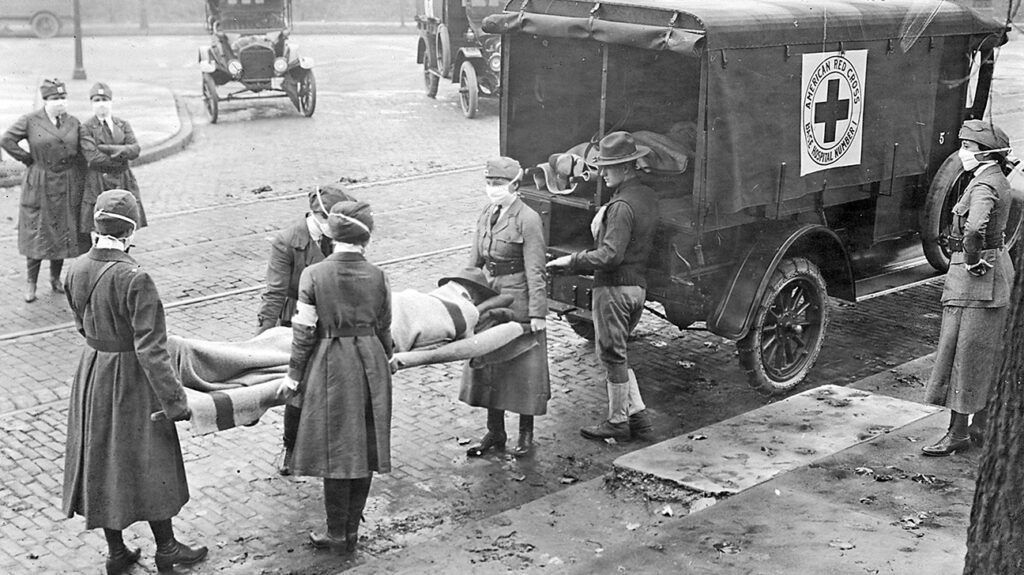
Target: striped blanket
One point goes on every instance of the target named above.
(234, 383)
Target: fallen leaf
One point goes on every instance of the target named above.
(870, 499)
(658, 343)
(555, 561)
(883, 477)
(913, 439)
(726, 547)
(632, 526)
(710, 344)
(518, 478)
(656, 547)
(666, 510)
(841, 545)
(777, 493)
(864, 471)
(697, 436)
(923, 478)
(610, 440)
(768, 451)
(465, 441)
(685, 364)
(567, 480)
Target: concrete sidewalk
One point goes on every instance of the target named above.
(160, 119)
(834, 483)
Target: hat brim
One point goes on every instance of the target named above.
(640, 152)
(486, 290)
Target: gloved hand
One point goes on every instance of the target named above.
(538, 324)
(979, 269)
(393, 364)
(286, 389)
(183, 415)
(559, 265)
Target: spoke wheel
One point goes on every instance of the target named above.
(430, 78)
(785, 339)
(306, 101)
(469, 90)
(949, 184)
(45, 25)
(443, 43)
(210, 98)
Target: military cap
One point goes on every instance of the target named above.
(53, 87)
(985, 134)
(100, 89)
(503, 167)
(323, 198)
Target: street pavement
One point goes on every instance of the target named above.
(417, 161)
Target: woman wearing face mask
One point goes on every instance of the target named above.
(292, 250)
(51, 189)
(509, 246)
(108, 145)
(976, 294)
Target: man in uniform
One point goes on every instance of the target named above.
(292, 250)
(623, 231)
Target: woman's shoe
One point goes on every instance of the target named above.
(122, 561)
(524, 445)
(977, 435)
(351, 542)
(490, 441)
(948, 445)
(30, 292)
(328, 541)
(56, 286)
(179, 554)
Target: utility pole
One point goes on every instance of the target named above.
(144, 15)
(79, 72)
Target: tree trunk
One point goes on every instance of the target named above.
(995, 538)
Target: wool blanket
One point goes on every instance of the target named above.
(234, 383)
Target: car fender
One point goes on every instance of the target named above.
(734, 313)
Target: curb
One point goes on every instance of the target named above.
(198, 29)
(11, 175)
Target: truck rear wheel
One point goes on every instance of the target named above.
(948, 185)
(788, 329)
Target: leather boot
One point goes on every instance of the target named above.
(337, 493)
(617, 425)
(30, 292)
(357, 502)
(55, 285)
(178, 554)
(948, 445)
(524, 445)
(122, 560)
(285, 468)
(495, 437)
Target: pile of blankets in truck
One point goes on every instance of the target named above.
(234, 383)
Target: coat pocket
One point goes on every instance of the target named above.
(961, 285)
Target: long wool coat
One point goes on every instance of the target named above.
(292, 250)
(974, 308)
(108, 155)
(345, 428)
(51, 190)
(514, 379)
(119, 466)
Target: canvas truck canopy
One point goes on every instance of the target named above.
(798, 95)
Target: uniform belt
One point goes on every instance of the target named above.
(957, 245)
(505, 268)
(111, 346)
(349, 331)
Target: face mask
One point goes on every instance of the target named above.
(969, 159)
(55, 107)
(497, 194)
(102, 108)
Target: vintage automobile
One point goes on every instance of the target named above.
(796, 148)
(453, 46)
(44, 17)
(250, 45)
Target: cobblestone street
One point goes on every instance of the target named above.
(212, 209)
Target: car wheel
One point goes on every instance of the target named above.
(583, 327)
(430, 77)
(1015, 223)
(307, 94)
(788, 329)
(45, 25)
(443, 42)
(947, 186)
(469, 90)
(210, 97)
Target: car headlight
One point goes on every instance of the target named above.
(305, 62)
(494, 63)
(280, 65)
(235, 68)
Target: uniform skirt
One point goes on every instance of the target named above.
(514, 378)
(967, 359)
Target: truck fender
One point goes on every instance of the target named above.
(735, 311)
(467, 53)
(421, 50)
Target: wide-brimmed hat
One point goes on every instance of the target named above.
(323, 198)
(53, 87)
(350, 222)
(984, 134)
(619, 148)
(471, 278)
(114, 210)
(100, 89)
(503, 167)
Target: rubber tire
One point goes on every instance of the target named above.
(210, 97)
(947, 186)
(583, 327)
(443, 47)
(306, 88)
(469, 90)
(791, 272)
(430, 79)
(45, 25)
